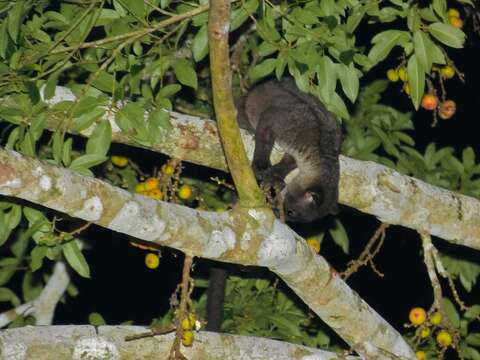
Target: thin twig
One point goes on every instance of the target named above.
(183, 308)
(367, 255)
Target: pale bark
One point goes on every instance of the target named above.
(76, 342)
(369, 187)
(243, 236)
(43, 307)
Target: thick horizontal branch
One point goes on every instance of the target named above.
(367, 186)
(107, 342)
(243, 236)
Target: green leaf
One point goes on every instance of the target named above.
(4, 39)
(31, 286)
(169, 90)
(440, 7)
(57, 145)
(340, 236)
(473, 339)
(86, 119)
(8, 295)
(185, 73)
(99, 142)
(384, 43)
(354, 20)
(96, 319)
(413, 19)
(472, 312)
(349, 80)
(13, 217)
(451, 312)
(468, 158)
(15, 19)
(267, 32)
(75, 258)
(87, 161)
(67, 152)
(50, 86)
(105, 82)
(447, 34)
(136, 7)
(200, 44)
(8, 266)
(242, 13)
(338, 107)
(422, 50)
(327, 78)
(36, 257)
(436, 54)
(261, 70)
(416, 80)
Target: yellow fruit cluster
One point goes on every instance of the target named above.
(399, 74)
(150, 188)
(454, 18)
(188, 324)
(417, 317)
(120, 161)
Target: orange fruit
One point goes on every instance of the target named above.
(447, 109)
(429, 102)
(417, 316)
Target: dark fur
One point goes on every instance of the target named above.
(310, 135)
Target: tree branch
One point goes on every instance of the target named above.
(107, 342)
(43, 307)
(228, 236)
(218, 28)
(369, 187)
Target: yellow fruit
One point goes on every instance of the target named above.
(417, 316)
(421, 355)
(152, 260)
(444, 338)
(140, 188)
(425, 333)
(447, 72)
(436, 318)
(392, 75)
(151, 183)
(192, 318)
(455, 21)
(155, 194)
(168, 169)
(406, 88)
(186, 325)
(453, 12)
(314, 244)
(185, 192)
(402, 73)
(220, 209)
(120, 161)
(187, 338)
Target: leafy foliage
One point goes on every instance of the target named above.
(130, 62)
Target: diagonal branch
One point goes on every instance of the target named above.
(43, 307)
(369, 187)
(242, 236)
